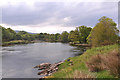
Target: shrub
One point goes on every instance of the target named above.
(108, 62)
(95, 64)
(112, 63)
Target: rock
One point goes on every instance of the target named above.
(42, 72)
(43, 65)
(68, 59)
(47, 68)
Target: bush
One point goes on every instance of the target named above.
(108, 62)
(95, 64)
(112, 63)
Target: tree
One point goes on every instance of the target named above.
(71, 36)
(84, 31)
(6, 35)
(104, 33)
(12, 34)
(57, 37)
(45, 37)
(52, 37)
(79, 34)
(23, 35)
(74, 36)
(41, 36)
(64, 36)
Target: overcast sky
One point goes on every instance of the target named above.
(52, 17)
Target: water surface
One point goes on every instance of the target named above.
(19, 60)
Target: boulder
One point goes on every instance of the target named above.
(43, 65)
(47, 68)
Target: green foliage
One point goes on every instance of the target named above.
(57, 37)
(74, 36)
(64, 36)
(22, 35)
(104, 33)
(8, 34)
(79, 34)
(84, 32)
(12, 34)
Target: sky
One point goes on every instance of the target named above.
(54, 16)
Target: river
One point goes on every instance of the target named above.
(18, 60)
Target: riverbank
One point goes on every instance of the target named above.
(78, 44)
(16, 42)
(79, 68)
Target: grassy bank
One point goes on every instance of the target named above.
(79, 67)
(78, 44)
(16, 42)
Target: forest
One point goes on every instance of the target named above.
(79, 34)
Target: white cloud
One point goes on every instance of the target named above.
(67, 19)
(38, 29)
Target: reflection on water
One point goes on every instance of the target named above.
(19, 60)
(78, 50)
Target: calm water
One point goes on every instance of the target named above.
(19, 60)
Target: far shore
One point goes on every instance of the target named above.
(14, 42)
(8, 43)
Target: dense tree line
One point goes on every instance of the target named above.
(79, 34)
(104, 33)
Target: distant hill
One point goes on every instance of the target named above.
(26, 31)
(16, 31)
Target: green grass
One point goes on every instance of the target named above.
(79, 63)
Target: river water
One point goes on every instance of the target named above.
(18, 60)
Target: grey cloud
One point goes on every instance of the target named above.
(119, 15)
(53, 13)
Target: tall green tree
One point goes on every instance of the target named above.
(64, 36)
(104, 33)
(80, 34)
(6, 35)
(74, 36)
(57, 36)
(12, 34)
(84, 31)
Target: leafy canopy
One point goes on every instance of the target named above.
(104, 33)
